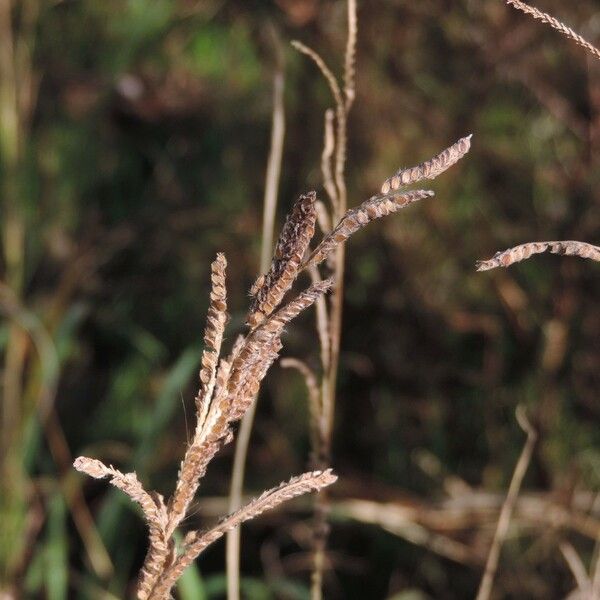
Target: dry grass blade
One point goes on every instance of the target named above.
(274, 161)
(350, 56)
(196, 542)
(325, 70)
(577, 568)
(269, 289)
(326, 156)
(356, 218)
(556, 24)
(525, 251)
(429, 169)
(491, 566)
(341, 115)
(266, 247)
(330, 325)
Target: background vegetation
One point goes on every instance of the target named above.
(139, 151)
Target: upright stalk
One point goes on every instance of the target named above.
(269, 208)
(336, 186)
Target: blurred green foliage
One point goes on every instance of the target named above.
(140, 152)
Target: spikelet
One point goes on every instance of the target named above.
(524, 251)
(193, 468)
(277, 322)
(196, 542)
(213, 335)
(152, 507)
(161, 550)
(246, 379)
(295, 237)
(429, 169)
(206, 443)
(237, 384)
(262, 348)
(356, 218)
(555, 24)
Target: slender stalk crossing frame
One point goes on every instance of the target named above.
(491, 566)
(269, 209)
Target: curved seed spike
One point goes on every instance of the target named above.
(196, 542)
(277, 322)
(262, 348)
(236, 387)
(555, 24)
(429, 169)
(161, 550)
(295, 237)
(213, 335)
(525, 251)
(356, 218)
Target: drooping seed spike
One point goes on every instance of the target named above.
(356, 218)
(429, 169)
(525, 251)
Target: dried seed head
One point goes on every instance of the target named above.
(213, 333)
(429, 169)
(356, 218)
(277, 322)
(236, 387)
(197, 541)
(92, 467)
(269, 289)
(161, 549)
(524, 251)
(556, 24)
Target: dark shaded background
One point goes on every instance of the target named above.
(143, 153)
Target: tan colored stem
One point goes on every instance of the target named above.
(269, 208)
(578, 570)
(491, 566)
(330, 368)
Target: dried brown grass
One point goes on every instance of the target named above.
(556, 24)
(570, 247)
(505, 259)
(392, 198)
(525, 251)
(228, 387)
